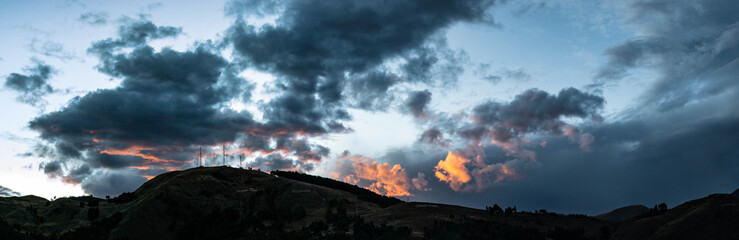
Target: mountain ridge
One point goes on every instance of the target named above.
(230, 203)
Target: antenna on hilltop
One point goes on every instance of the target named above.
(224, 155)
(240, 156)
(200, 159)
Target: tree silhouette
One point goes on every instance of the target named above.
(495, 210)
(662, 207)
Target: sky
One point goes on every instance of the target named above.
(571, 106)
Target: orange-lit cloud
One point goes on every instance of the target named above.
(390, 181)
(463, 174)
(138, 151)
(385, 179)
(453, 171)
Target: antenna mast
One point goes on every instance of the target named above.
(224, 155)
(200, 159)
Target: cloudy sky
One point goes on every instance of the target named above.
(572, 106)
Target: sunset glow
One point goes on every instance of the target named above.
(467, 102)
(453, 171)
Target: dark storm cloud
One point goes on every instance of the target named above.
(417, 103)
(303, 113)
(112, 183)
(77, 175)
(166, 98)
(52, 168)
(370, 92)
(327, 56)
(418, 67)
(168, 103)
(645, 159)
(432, 136)
(302, 149)
(434, 63)
(33, 86)
(321, 38)
(94, 18)
(533, 111)
(306, 153)
(496, 142)
(322, 47)
(278, 162)
(133, 33)
(115, 161)
(642, 161)
(693, 46)
(642, 156)
(6, 192)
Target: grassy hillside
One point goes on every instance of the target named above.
(231, 203)
(361, 193)
(712, 217)
(624, 213)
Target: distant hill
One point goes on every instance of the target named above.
(712, 217)
(624, 213)
(231, 203)
(736, 193)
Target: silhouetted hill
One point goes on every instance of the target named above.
(736, 193)
(231, 203)
(712, 217)
(361, 193)
(624, 213)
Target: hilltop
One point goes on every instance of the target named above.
(624, 213)
(232, 203)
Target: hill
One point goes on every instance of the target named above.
(231, 203)
(712, 217)
(624, 213)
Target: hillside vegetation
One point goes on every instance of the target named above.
(231, 203)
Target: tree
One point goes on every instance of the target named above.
(659, 208)
(662, 207)
(495, 210)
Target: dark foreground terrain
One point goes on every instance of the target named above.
(230, 203)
